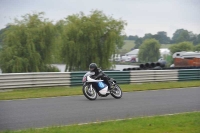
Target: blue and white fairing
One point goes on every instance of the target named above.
(103, 88)
(98, 84)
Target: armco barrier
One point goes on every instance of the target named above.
(30, 80)
(120, 76)
(26, 80)
(189, 74)
(153, 76)
(76, 78)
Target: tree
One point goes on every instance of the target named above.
(138, 42)
(180, 35)
(1, 36)
(28, 45)
(1, 42)
(147, 36)
(183, 46)
(56, 54)
(125, 37)
(196, 39)
(149, 51)
(197, 47)
(132, 37)
(90, 38)
(162, 37)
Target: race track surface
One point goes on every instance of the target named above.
(36, 113)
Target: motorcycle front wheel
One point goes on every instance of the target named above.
(89, 92)
(116, 92)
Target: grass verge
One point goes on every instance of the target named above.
(128, 45)
(178, 123)
(70, 91)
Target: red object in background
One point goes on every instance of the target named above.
(133, 59)
(188, 62)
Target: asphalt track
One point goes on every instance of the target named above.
(37, 113)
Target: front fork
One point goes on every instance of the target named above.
(90, 87)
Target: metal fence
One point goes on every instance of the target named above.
(189, 74)
(121, 76)
(31, 80)
(153, 76)
(27, 80)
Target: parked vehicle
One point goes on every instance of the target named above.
(186, 59)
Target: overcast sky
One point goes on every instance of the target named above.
(142, 16)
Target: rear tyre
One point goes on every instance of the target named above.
(116, 92)
(89, 93)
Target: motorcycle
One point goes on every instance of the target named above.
(92, 87)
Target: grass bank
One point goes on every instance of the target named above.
(70, 91)
(179, 123)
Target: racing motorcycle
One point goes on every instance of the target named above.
(92, 87)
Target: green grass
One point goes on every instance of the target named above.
(179, 123)
(69, 91)
(165, 45)
(128, 45)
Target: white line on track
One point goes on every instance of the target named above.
(135, 117)
(114, 120)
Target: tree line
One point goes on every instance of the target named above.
(149, 45)
(34, 42)
(180, 35)
(149, 50)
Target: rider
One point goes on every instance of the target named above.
(99, 73)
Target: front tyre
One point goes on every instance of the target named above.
(89, 93)
(116, 92)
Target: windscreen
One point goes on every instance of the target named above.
(88, 74)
